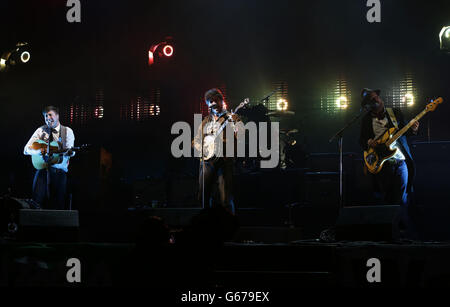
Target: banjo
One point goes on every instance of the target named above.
(211, 145)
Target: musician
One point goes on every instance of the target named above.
(220, 169)
(51, 195)
(396, 177)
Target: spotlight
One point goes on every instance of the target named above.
(25, 56)
(444, 39)
(160, 51)
(282, 105)
(168, 50)
(408, 99)
(4, 61)
(19, 55)
(341, 102)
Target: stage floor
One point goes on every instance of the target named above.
(300, 264)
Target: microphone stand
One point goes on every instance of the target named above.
(266, 99)
(47, 158)
(340, 136)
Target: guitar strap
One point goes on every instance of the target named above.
(392, 116)
(62, 136)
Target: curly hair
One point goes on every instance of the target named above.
(213, 95)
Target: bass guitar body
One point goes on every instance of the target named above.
(375, 157)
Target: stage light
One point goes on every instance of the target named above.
(20, 55)
(151, 58)
(341, 102)
(25, 56)
(4, 62)
(160, 51)
(408, 99)
(444, 38)
(168, 50)
(154, 110)
(98, 112)
(282, 105)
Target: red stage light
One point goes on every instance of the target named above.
(151, 60)
(168, 50)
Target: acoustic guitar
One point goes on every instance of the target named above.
(375, 157)
(50, 154)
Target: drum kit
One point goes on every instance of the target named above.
(289, 137)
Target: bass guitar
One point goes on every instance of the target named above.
(375, 157)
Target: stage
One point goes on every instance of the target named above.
(225, 144)
(300, 265)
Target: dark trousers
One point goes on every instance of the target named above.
(218, 174)
(56, 189)
(393, 182)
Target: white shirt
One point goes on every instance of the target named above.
(380, 127)
(41, 134)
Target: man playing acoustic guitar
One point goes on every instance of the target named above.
(396, 177)
(49, 184)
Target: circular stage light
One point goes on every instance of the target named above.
(168, 50)
(25, 56)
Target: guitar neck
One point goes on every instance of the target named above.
(227, 120)
(402, 131)
(221, 128)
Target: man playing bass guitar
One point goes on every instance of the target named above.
(396, 177)
(49, 184)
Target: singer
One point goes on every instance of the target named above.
(220, 170)
(49, 185)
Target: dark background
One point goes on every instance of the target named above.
(245, 45)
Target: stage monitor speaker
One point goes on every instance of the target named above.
(321, 188)
(48, 225)
(367, 223)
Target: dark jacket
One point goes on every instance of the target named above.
(367, 133)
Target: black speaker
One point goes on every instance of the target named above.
(367, 223)
(321, 188)
(47, 225)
